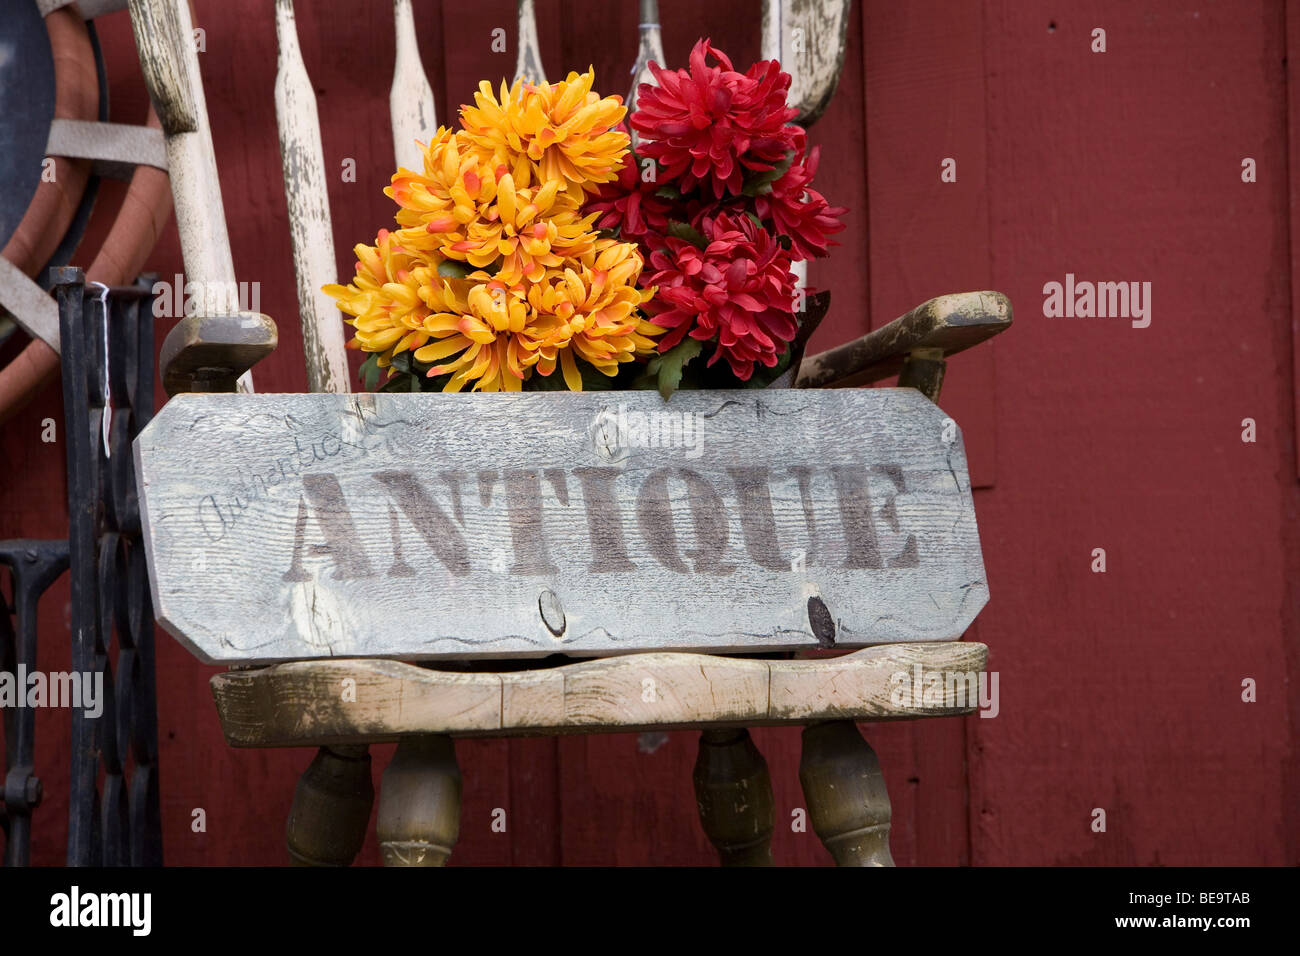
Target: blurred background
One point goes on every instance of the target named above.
(1120, 690)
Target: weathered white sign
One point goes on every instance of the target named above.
(285, 527)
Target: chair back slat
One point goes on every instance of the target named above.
(310, 230)
(411, 100)
(528, 65)
(164, 36)
(809, 39)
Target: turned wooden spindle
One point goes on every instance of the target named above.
(847, 800)
(331, 808)
(733, 791)
(419, 802)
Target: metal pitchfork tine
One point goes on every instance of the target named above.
(650, 49)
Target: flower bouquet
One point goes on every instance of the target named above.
(537, 239)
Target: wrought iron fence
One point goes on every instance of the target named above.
(108, 378)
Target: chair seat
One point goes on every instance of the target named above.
(311, 702)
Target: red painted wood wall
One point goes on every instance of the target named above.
(1119, 690)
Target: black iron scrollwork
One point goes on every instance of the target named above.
(106, 337)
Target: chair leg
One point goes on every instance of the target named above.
(847, 800)
(733, 791)
(331, 808)
(419, 802)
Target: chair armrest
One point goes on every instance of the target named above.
(947, 324)
(208, 353)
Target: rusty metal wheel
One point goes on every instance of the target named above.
(57, 143)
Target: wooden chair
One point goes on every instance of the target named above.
(283, 534)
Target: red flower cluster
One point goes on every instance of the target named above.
(796, 210)
(631, 206)
(730, 206)
(707, 126)
(737, 288)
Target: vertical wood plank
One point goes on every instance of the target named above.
(163, 34)
(628, 801)
(571, 39)
(1103, 166)
(1292, 13)
(842, 179)
(536, 836)
(924, 104)
(310, 230)
(938, 787)
(793, 841)
(1291, 615)
(468, 56)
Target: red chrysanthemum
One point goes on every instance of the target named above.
(709, 124)
(795, 209)
(738, 289)
(631, 206)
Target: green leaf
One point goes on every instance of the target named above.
(369, 371)
(401, 382)
(454, 269)
(759, 183)
(423, 384)
(684, 231)
(402, 361)
(673, 362)
(668, 192)
(647, 376)
(593, 379)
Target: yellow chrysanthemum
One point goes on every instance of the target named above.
(455, 190)
(480, 334)
(384, 299)
(591, 311)
(565, 130)
(503, 197)
(496, 333)
(527, 230)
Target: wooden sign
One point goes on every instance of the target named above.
(285, 527)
